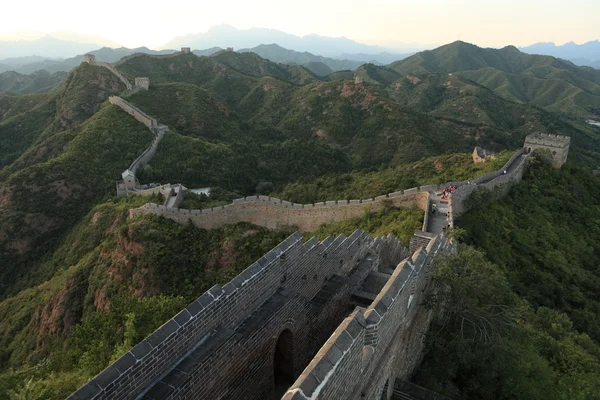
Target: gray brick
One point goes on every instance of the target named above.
(334, 354)
(183, 317)
(216, 291)
(90, 390)
(205, 300)
(169, 328)
(125, 362)
(354, 329)
(156, 338)
(322, 369)
(344, 341)
(195, 308)
(141, 349)
(107, 376)
(309, 384)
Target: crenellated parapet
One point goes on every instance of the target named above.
(275, 213)
(130, 182)
(375, 346)
(284, 314)
(556, 144)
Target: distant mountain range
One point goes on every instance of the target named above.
(31, 64)
(317, 64)
(14, 83)
(47, 47)
(543, 81)
(228, 36)
(580, 54)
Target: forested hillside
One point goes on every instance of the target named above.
(544, 81)
(80, 282)
(521, 311)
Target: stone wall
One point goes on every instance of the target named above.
(112, 69)
(222, 345)
(373, 347)
(515, 168)
(156, 56)
(274, 213)
(133, 111)
(556, 144)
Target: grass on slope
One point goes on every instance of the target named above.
(398, 221)
(42, 201)
(84, 90)
(545, 234)
(554, 94)
(364, 185)
(119, 279)
(189, 110)
(529, 327)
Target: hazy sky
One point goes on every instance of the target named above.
(152, 23)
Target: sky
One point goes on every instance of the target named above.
(151, 23)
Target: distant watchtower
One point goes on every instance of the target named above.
(229, 49)
(558, 146)
(143, 83)
(89, 58)
(186, 50)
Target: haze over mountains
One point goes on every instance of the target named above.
(74, 264)
(581, 54)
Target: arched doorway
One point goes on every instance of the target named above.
(284, 362)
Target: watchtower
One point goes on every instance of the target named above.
(186, 50)
(142, 82)
(89, 58)
(558, 146)
(229, 49)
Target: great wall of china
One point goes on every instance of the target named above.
(341, 318)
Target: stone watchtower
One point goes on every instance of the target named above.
(142, 82)
(186, 50)
(89, 58)
(558, 146)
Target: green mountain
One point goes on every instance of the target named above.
(80, 282)
(318, 68)
(13, 83)
(278, 54)
(544, 81)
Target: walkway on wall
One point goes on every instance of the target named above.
(438, 221)
(513, 166)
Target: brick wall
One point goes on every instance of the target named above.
(375, 346)
(276, 214)
(223, 343)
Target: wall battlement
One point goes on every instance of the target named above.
(371, 348)
(130, 181)
(276, 214)
(299, 288)
(556, 144)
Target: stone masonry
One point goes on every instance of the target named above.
(556, 144)
(130, 182)
(253, 338)
(341, 318)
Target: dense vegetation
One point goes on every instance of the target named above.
(520, 309)
(115, 281)
(364, 185)
(80, 282)
(555, 84)
(121, 280)
(13, 83)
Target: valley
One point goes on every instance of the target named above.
(84, 279)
